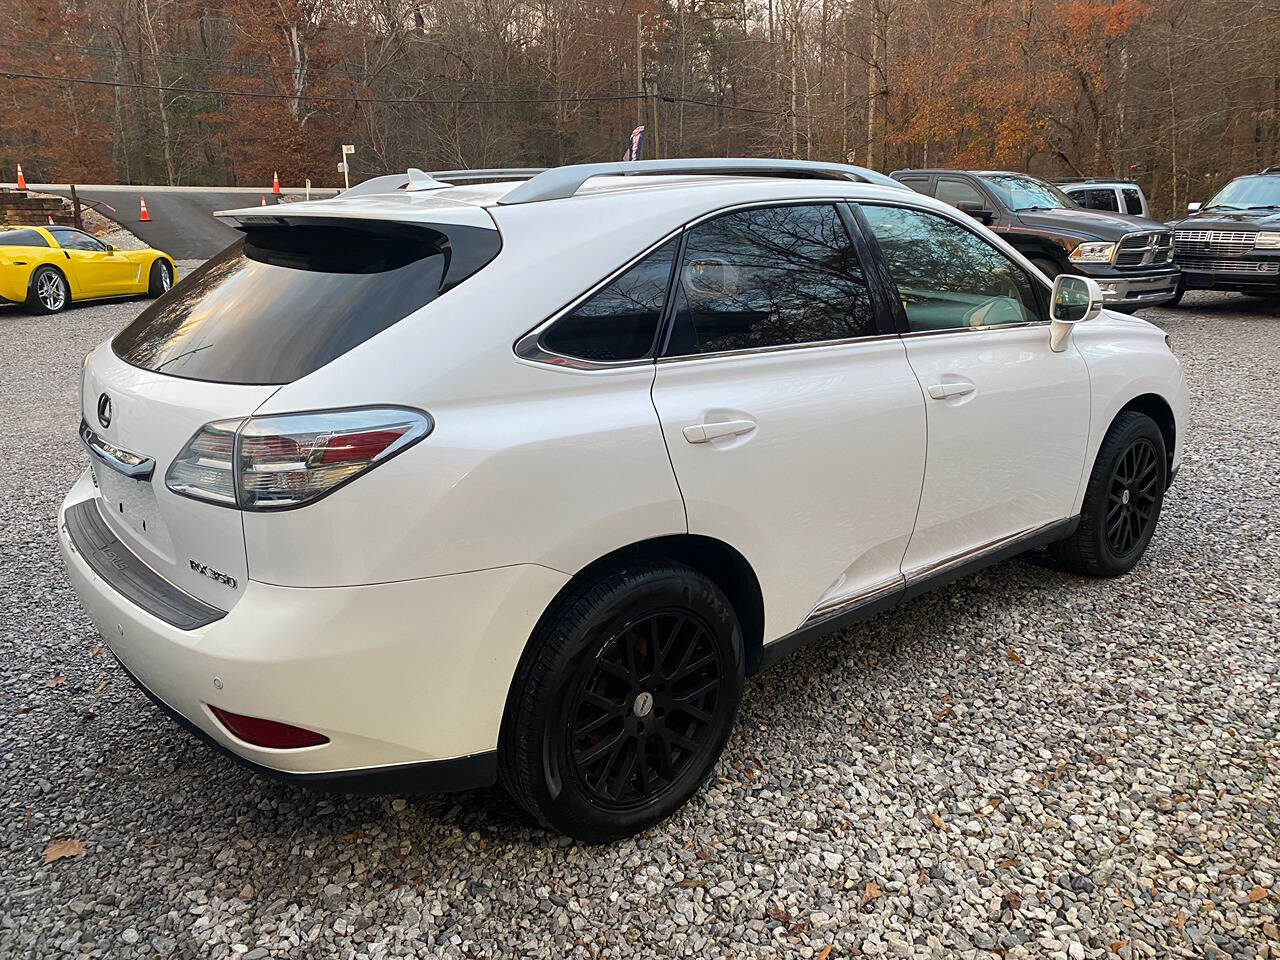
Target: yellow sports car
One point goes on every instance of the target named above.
(46, 268)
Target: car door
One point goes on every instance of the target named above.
(1008, 418)
(793, 420)
(96, 271)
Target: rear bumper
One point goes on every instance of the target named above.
(399, 676)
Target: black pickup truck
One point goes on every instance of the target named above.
(1233, 241)
(1130, 257)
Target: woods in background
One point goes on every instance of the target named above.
(1176, 94)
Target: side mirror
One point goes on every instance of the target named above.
(976, 210)
(111, 248)
(1193, 208)
(1075, 300)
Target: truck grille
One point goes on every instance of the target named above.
(1204, 264)
(1144, 249)
(1231, 243)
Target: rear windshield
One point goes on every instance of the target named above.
(286, 300)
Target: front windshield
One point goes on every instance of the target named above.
(1248, 193)
(1021, 192)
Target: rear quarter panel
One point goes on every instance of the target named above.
(16, 266)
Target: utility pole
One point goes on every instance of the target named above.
(639, 70)
(657, 143)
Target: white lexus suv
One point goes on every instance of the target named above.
(449, 481)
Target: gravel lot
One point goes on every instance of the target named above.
(1025, 764)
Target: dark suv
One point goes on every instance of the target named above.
(1233, 241)
(1129, 256)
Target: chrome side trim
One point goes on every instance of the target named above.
(974, 553)
(123, 461)
(838, 605)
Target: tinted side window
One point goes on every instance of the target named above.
(1132, 201)
(75, 240)
(22, 238)
(949, 277)
(956, 192)
(918, 184)
(620, 321)
(767, 277)
(1099, 198)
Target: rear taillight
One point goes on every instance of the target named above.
(276, 462)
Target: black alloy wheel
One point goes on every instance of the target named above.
(645, 711)
(1122, 500)
(1132, 497)
(622, 700)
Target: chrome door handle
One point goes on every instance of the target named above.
(944, 391)
(704, 432)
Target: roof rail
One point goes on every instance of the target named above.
(1272, 170)
(560, 182)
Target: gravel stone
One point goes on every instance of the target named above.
(1111, 791)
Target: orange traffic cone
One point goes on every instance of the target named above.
(275, 182)
(142, 213)
(22, 181)
(264, 201)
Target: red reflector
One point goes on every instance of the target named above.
(267, 733)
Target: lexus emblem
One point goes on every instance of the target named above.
(104, 411)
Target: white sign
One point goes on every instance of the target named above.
(342, 166)
(348, 148)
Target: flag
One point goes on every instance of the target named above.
(636, 144)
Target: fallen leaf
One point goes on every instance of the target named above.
(687, 844)
(687, 884)
(824, 952)
(1012, 899)
(1127, 902)
(775, 913)
(95, 650)
(701, 854)
(61, 849)
(937, 821)
(1118, 945)
(100, 687)
(1006, 864)
(872, 892)
(55, 681)
(1257, 894)
(1179, 921)
(920, 878)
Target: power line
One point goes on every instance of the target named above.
(422, 101)
(322, 98)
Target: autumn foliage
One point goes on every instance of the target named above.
(1178, 94)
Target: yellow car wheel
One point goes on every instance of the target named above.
(48, 291)
(161, 279)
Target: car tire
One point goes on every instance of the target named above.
(161, 279)
(48, 291)
(623, 701)
(1176, 299)
(1047, 267)
(1122, 501)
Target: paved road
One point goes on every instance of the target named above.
(182, 222)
